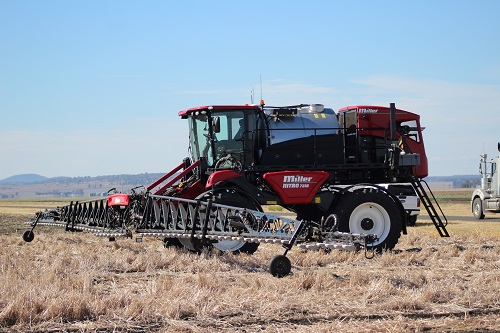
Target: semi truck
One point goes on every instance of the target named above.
(486, 199)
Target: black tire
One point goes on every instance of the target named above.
(411, 220)
(477, 209)
(171, 242)
(371, 211)
(233, 197)
(280, 266)
(28, 236)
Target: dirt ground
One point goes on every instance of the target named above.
(65, 282)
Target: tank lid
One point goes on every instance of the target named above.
(316, 108)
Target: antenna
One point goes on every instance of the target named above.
(251, 95)
(260, 86)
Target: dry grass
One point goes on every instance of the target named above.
(29, 207)
(80, 283)
(461, 221)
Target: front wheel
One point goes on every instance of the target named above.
(477, 209)
(235, 198)
(371, 211)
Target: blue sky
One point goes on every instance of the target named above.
(93, 88)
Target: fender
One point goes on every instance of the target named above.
(236, 191)
(219, 176)
(481, 194)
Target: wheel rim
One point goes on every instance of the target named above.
(224, 245)
(229, 245)
(477, 207)
(281, 268)
(370, 218)
(186, 242)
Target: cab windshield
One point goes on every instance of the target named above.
(217, 135)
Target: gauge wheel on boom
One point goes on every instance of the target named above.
(370, 211)
(477, 209)
(280, 266)
(232, 197)
(28, 236)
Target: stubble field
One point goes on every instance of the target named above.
(80, 283)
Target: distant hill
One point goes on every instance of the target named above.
(29, 178)
(36, 186)
(146, 178)
(461, 181)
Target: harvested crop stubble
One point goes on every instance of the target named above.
(78, 278)
(77, 282)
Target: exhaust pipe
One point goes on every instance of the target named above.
(393, 121)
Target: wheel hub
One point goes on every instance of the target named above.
(367, 224)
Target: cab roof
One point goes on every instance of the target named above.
(369, 109)
(210, 108)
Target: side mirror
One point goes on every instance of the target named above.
(498, 147)
(404, 130)
(216, 125)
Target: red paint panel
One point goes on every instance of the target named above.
(220, 176)
(296, 187)
(118, 199)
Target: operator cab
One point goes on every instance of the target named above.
(222, 135)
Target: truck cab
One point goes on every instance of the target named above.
(487, 197)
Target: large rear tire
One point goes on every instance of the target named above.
(371, 211)
(233, 197)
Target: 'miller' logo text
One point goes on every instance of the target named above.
(296, 181)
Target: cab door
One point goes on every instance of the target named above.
(349, 123)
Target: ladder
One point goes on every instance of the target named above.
(438, 218)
